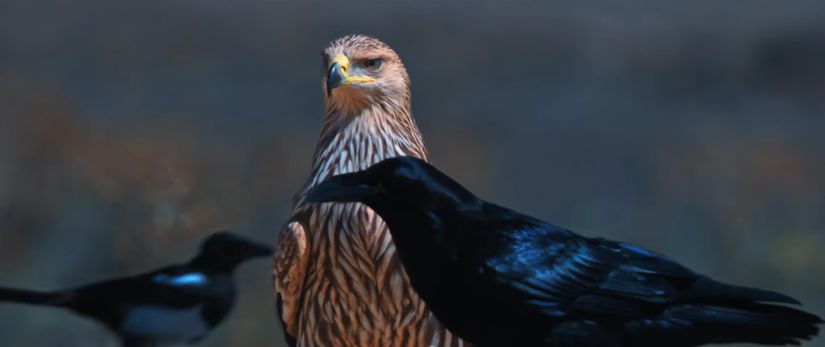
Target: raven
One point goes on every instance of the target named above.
(496, 277)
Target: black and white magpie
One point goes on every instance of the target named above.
(178, 304)
(496, 277)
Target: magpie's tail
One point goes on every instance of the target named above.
(32, 297)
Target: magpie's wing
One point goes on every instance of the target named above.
(173, 286)
(108, 300)
(184, 285)
(289, 267)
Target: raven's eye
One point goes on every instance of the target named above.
(372, 65)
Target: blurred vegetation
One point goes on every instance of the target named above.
(130, 130)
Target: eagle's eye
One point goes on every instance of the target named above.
(372, 65)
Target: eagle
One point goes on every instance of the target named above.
(338, 279)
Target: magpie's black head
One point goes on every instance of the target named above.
(224, 250)
(395, 183)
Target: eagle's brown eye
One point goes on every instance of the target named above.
(372, 65)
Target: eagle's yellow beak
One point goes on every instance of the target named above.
(338, 74)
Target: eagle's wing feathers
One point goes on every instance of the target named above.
(289, 269)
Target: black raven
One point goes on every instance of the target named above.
(496, 277)
(176, 304)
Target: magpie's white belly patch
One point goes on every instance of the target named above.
(163, 323)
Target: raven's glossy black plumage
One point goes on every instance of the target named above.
(172, 305)
(497, 277)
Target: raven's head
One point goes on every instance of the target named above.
(399, 187)
(421, 206)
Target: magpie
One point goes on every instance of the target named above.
(497, 277)
(178, 304)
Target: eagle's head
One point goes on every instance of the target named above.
(361, 72)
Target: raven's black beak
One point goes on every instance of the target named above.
(352, 187)
(335, 77)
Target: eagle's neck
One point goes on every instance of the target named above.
(353, 141)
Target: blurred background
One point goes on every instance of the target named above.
(130, 130)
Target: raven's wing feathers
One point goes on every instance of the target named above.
(575, 275)
(574, 279)
(581, 274)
